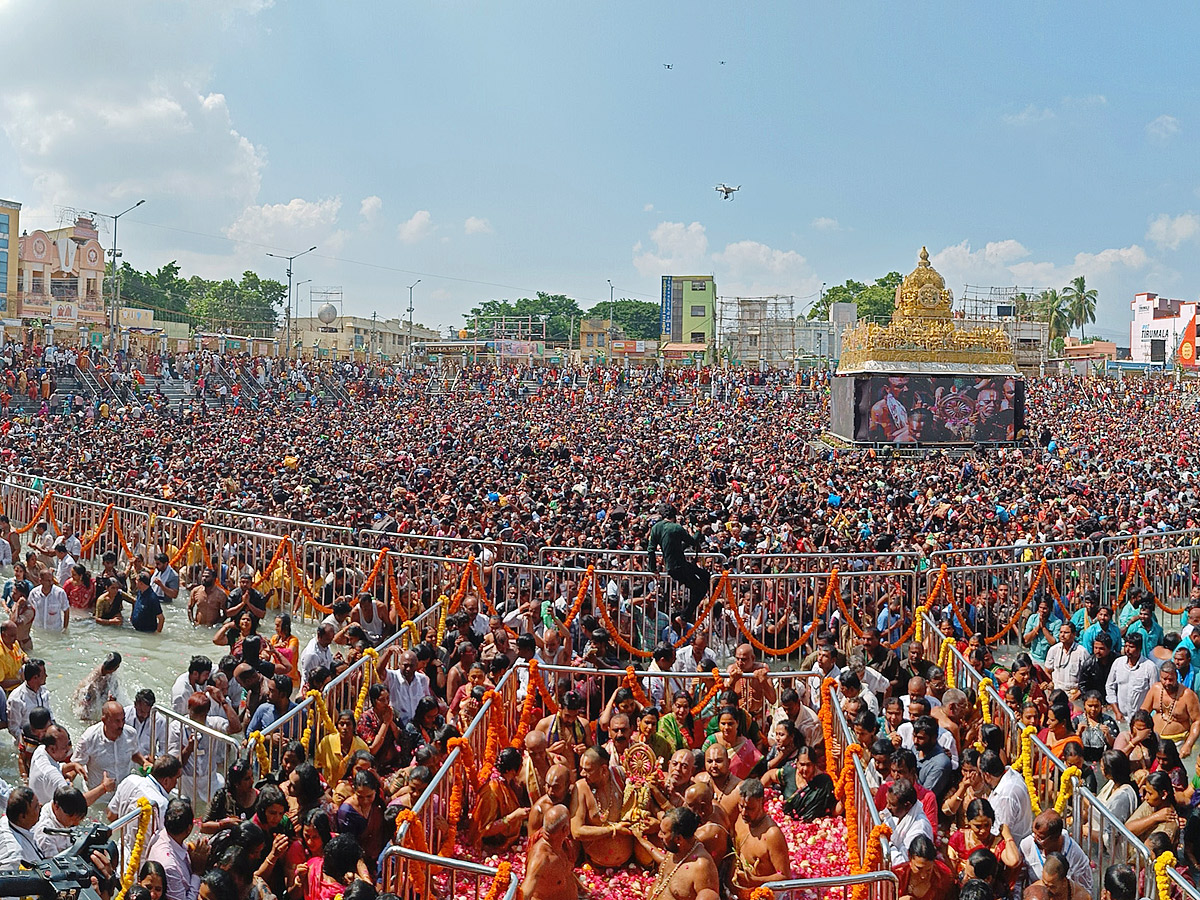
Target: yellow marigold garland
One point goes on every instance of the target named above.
(129, 878)
(317, 709)
(361, 702)
(1027, 767)
(1065, 788)
(1161, 863)
(918, 623)
(260, 750)
(444, 605)
(985, 702)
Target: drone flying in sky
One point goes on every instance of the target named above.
(726, 191)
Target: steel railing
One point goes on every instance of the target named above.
(204, 772)
(439, 876)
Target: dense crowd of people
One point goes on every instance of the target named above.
(659, 775)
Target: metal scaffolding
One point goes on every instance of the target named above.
(759, 332)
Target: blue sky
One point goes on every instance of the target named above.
(498, 149)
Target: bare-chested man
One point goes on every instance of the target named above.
(685, 869)
(532, 780)
(714, 825)
(748, 678)
(566, 731)
(680, 770)
(207, 600)
(952, 713)
(549, 871)
(762, 852)
(596, 813)
(723, 782)
(1175, 708)
(558, 793)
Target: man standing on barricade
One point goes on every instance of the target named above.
(675, 540)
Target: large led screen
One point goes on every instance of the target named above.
(938, 409)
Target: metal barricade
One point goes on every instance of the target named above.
(343, 691)
(1115, 544)
(1107, 841)
(880, 886)
(997, 596)
(288, 727)
(824, 562)
(1011, 553)
(1171, 573)
(210, 758)
(582, 557)
(439, 876)
(1186, 889)
(433, 805)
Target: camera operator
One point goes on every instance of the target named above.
(182, 863)
(17, 841)
(66, 810)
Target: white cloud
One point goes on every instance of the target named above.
(476, 225)
(743, 268)
(1163, 128)
(824, 223)
(370, 208)
(274, 223)
(1005, 263)
(148, 124)
(649, 207)
(677, 248)
(1169, 232)
(418, 227)
(1030, 115)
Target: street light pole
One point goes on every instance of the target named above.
(290, 259)
(300, 284)
(116, 298)
(408, 349)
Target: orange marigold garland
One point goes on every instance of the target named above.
(712, 692)
(501, 882)
(632, 682)
(465, 763)
(825, 714)
(495, 737)
(414, 839)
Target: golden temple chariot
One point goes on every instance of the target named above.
(923, 330)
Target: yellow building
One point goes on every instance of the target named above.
(10, 227)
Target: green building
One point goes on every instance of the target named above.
(688, 310)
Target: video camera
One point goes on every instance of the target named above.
(67, 876)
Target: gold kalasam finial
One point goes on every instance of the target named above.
(924, 258)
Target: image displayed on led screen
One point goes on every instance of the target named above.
(937, 409)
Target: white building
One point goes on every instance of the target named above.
(1158, 327)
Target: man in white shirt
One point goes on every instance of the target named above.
(108, 746)
(662, 690)
(181, 864)
(52, 610)
(66, 810)
(1064, 660)
(27, 696)
(1130, 679)
(145, 722)
(317, 653)
(1009, 796)
(1047, 838)
(63, 561)
(198, 674)
(50, 768)
(906, 817)
(688, 657)
(405, 685)
(156, 787)
(204, 756)
(17, 842)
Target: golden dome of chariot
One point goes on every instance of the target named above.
(923, 293)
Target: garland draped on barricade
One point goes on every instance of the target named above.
(317, 715)
(1024, 764)
(45, 507)
(501, 882)
(414, 839)
(465, 764)
(1162, 880)
(831, 589)
(90, 539)
(129, 876)
(1137, 567)
(825, 714)
(361, 701)
(942, 584)
(946, 660)
(257, 741)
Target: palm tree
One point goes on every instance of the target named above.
(1052, 309)
(1081, 303)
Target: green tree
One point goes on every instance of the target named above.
(640, 319)
(1024, 305)
(1052, 309)
(1081, 302)
(562, 315)
(876, 300)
